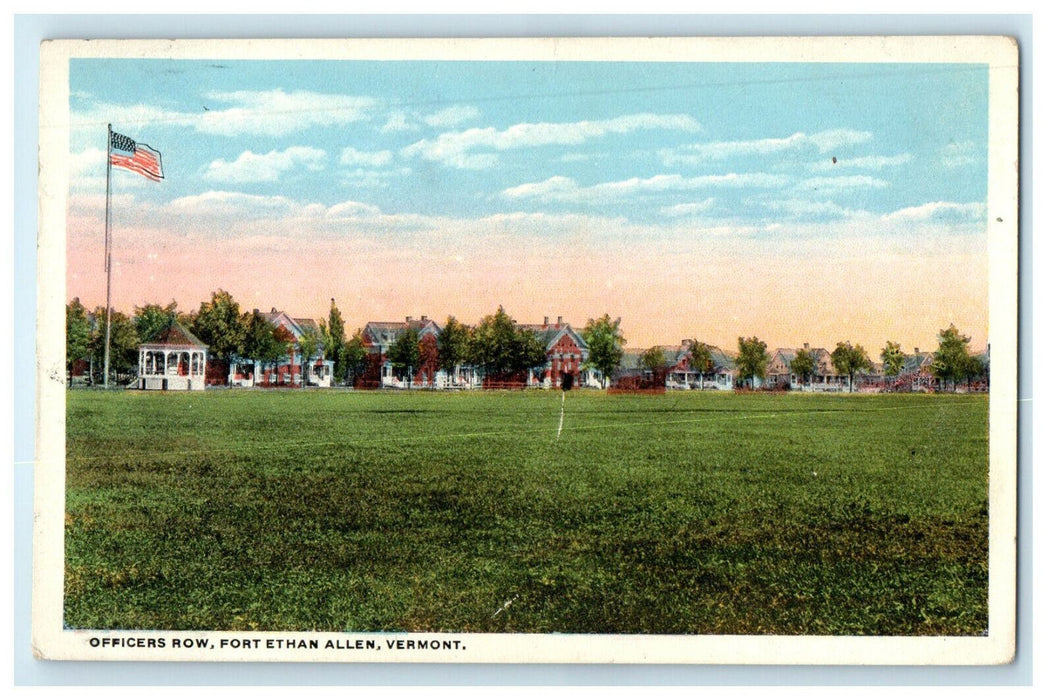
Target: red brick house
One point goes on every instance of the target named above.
(245, 372)
(379, 336)
(565, 351)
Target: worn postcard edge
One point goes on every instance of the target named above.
(51, 641)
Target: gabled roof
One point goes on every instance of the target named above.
(550, 334)
(385, 333)
(174, 335)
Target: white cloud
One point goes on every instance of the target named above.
(452, 116)
(453, 148)
(374, 159)
(840, 184)
(277, 113)
(223, 204)
(690, 208)
(397, 121)
(265, 167)
(812, 209)
(351, 209)
(862, 163)
(827, 141)
(262, 113)
(88, 163)
(949, 212)
(564, 189)
(960, 154)
(823, 141)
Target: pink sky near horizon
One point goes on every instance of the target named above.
(662, 297)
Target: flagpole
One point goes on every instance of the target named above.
(106, 349)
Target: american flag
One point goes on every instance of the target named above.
(137, 157)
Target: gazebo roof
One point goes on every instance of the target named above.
(174, 335)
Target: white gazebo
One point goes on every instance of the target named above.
(173, 361)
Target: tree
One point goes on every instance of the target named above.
(752, 360)
(653, 359)
(404, 352)
(260, 341)
(455, 339)
(529, 351)
(493, 345)
(892, 359)
(849, 359)
(124, 344)
(219, 324)
(605, 341)
(333, 339)
(803, 365)
(952, 361)
(310, 346)
(428, 356)
(78, 335)
(355, 357)
(151, 319)
(700, 359)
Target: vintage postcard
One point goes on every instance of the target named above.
(674, 350)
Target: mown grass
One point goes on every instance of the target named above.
(685, 513)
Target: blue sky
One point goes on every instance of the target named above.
(406, 160)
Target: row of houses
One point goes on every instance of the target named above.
(177, 360)
(566, 353)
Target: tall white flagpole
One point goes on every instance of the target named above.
(106, 350)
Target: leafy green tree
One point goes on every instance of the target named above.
(752, 360)
(604, 341)
(653, 359)
(78, 334)
(260, 341)
(124, 344)
(151, 319)
(700, 358)
(404, 353)
(803, 365)
(455, 345)
(333, 339)
(310, 345)
(849, 359)
(892, 359)
(355, 357)
(952, 361)
(220, 325)
(530, 351)
(493, 347)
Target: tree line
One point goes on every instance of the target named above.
(496, 345)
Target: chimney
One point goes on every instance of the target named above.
(686, 341)
(409, 318)
(559, 320)
(916, 351)
(806, 346)
(274, 310)
(546, 321)
(424, 318)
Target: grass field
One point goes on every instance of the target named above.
(682, 513)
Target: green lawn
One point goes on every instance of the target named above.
(690, 512)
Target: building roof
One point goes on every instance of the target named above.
(384, 333)
(175, 335)
(550, 333)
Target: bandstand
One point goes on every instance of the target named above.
(173, 361)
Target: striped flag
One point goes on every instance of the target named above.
(137, 157)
